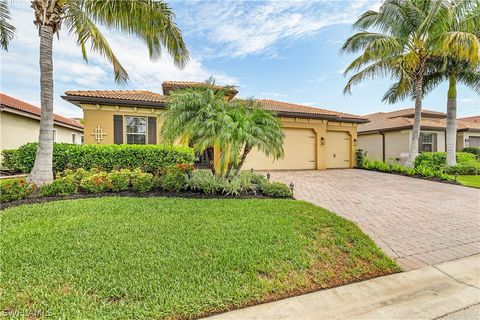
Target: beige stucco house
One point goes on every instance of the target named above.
(388, 134)
(314, 138)
(20, 124)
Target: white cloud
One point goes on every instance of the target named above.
(471, 101)
(20, 70)
(308, 104)
(255, 27)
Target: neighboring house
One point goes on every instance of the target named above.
(20, 124)
(314, 138)
(388, 134)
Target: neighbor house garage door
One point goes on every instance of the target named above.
(338, 149)
(299, 147)
(474, 141)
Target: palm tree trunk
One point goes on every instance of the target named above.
(42, 169)
(412, 154)
(246, 151)
(452, 120)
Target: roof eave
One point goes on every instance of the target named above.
(318, 116)
(78, 100)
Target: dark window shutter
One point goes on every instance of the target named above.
(152, 130)
(434, 140)
(117, 129)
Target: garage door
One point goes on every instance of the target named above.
(338, 149)
(474, 141)
(299, 147)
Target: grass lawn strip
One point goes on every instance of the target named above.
(119, 258)
(469, 181)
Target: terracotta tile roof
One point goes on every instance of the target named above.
(475, 119)
(130, 95)
(12, 103)
(403, 119)
(285, 107)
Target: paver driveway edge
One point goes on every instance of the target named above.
(426, 293)
(414, 221)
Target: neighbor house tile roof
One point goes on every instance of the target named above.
(287, 108)
(19, 105)
(130, 95)
(475, 119)
(403, 119)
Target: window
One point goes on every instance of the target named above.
(81, 139)
(136, 130)
(74, 138)
(54, 135)
(427, 142)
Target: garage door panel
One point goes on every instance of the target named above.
(338, 149)
(474, 141)
(299, 147)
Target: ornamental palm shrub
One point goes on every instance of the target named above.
(203, 117)
(250, 127)
(152, 21)
(398, 40)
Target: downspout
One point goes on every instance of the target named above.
(383, 146)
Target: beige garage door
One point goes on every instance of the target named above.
(299, 147)
(338, 149)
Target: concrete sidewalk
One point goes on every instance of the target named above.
(426, 293)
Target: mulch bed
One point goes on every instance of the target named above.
(152, 193)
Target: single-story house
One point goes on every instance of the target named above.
(20, 124)
(388, 134)
(314, 138)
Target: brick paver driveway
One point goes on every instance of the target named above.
(414, 221)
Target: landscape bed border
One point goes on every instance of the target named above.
(159, 193)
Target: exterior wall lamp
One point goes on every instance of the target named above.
(322, 141)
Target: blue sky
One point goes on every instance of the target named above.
(280, 50)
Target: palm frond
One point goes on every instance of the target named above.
(153, 21)
(86, 32)
(7, 31)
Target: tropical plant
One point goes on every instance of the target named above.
(248, 127)
(204, 118)
(196, 116)
(152, 21)
(407, 33)
(461, 24)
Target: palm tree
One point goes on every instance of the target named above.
(248, 127)
(196, 116)
(462, 22)
(152, 21)
(407, 34)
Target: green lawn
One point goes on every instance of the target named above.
(120, 258)
(469, 181)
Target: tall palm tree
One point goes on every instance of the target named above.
(248, 127)
(152, 21)
(406, 34)
(461, 23)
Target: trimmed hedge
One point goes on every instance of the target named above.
(10, 160)
(148, 158)
(473, 150)
(467, 163)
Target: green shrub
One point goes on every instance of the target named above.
(15, 189)
(376, 165)
(203, 180)
(120, 179)
(276, 190)
(230, 187)
(250, 181)
(97, 182)
(149, 158)
(141, 181)
(463, 169)
(173, 179)
(64, 186)
(473, 150)
(359, 157)
(438, 160)
(10, 160)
